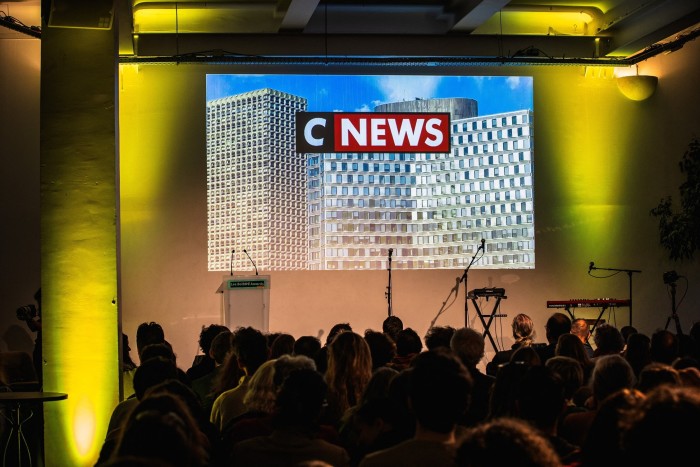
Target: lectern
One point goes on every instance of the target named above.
(245, 302)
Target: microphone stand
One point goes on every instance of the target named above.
(466, 293)
(629, 274)
(388, 288)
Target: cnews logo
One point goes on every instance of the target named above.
(319, 132)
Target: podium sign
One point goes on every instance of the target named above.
(245, 302)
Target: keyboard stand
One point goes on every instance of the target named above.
(487, 324)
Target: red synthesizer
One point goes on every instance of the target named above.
(588, 303)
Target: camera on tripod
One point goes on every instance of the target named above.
(670, 277)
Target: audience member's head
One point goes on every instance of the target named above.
(309, 346)
(570, 371)
(505, 441)
(379, 383)
(337, 329)
(505, 389)
(391, 326)
(207, 335)
(282, 345)
(438, 336)
(408, 342)
(161, 427)
(261, 392)
(468, 345)
(382, 347)
(300, 400)
(581, 329)
(148, 333)
(655, 374)
(608, 340)
(638, 351)
(523, 329)
(627, 331)
(152, 372)
(289, 363)
(664, 346)
(611, 373)
(541, 398)
(220, 347)
(557, 324)
(250, 348)
(162, 349)
(439, 390)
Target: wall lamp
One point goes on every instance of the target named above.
(637, 87)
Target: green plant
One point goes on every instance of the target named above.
(679, 232)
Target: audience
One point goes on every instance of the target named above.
(391, 326)
(421, 407)
(322, 357)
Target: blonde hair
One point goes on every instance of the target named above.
(523, 329)
(262, 392)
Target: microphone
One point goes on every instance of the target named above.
(483, 241)
(251, 260)
(590, 266)
(391, 250)
(231, 262)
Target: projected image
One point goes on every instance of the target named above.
(275, 208)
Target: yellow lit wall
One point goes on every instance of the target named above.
(78, 241)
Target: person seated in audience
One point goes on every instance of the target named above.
(557, 325)
(348, 373)
(638, 351)
(541, 401)
(505, 441)
(610, 374)
(282, 345)
(581, 329)
(297, 411)
(662, 430)
(664, 347)
(655, 374)
(438, 336)
(502, 402)
(408, 345)
(164, 349)
(148, 333)
(204, 363)
(392, 325)
(608, 340)
(603, 443)
(381, 347)
(322, 358)
(249, 347)
(469, 347)
(438, 391)
(150, 373)
(219, 350)
(627, 331)
(523, 334)
(570, 345)
(571, 374)
(260, 400)
(161, 427)
(308, 346)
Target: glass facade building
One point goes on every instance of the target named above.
(340, 211)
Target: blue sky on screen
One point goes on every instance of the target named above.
(361, 93)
